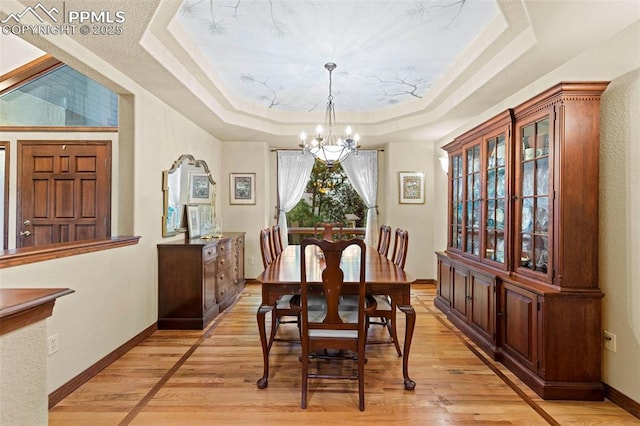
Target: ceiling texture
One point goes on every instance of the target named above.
(272, 53)
(407, 70)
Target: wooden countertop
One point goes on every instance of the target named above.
(20, 307)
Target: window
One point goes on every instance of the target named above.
(61, 96)
(328, 197)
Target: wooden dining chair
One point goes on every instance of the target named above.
(339, 326)
(384, 240)
(385, 313)
(277, 240)
(285, 310)
(400, 247)
(265, 247)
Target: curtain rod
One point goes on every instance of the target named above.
(298, 149)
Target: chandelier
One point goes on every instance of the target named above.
(328, 146)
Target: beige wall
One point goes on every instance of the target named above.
(23, 387)
(620, 231)
(418, 219)
(248, 157)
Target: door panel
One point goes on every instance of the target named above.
(482, 316)
(444, 281)
(460, 293)
(520, 324)
(63, 192)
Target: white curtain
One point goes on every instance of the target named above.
(362, 172)
(294, 170)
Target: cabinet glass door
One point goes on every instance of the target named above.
(495, 213)
(456, 202)
(473, 201)
(534, 190)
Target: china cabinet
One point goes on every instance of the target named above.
(198, 278)
(520, 272)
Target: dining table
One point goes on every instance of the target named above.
(382, 276)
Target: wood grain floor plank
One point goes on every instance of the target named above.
(209, 377)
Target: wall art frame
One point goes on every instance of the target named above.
(242, 188)
(193, 221)
(411, 189)
(200, 188)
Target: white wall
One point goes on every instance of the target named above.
(11, 59)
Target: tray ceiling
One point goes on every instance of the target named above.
(272, 52)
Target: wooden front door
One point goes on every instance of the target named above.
(64, 192)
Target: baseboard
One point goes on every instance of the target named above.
(622, 400)
(73, 384)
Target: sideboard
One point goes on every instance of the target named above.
(197, 279)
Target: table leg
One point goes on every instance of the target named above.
(410, 314)
(262, 311)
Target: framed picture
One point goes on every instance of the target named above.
(193, 221)
(200, 188)
(411, 187)
(242, 188)
(205, 214)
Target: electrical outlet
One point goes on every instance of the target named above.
(251, 260)
(609, 341)
(53, 344)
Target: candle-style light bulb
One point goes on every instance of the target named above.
(303, 137)
(319, 130)
(348, 131)
(356, 137)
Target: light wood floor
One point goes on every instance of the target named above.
(209, 377)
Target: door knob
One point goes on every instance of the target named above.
(27, 222)
(25, 233)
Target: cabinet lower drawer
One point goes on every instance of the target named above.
(226, 292)
(209, 254)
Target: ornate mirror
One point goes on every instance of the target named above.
(188, 183)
